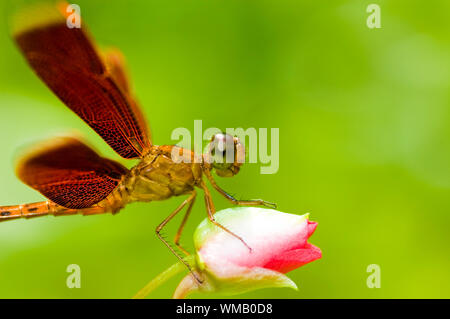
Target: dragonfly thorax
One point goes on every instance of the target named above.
(158, 176)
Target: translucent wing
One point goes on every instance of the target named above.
(67, 61)
(70, 173)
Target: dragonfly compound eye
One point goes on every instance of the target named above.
(227, 154)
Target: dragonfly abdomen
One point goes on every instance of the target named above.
(33, 210)
(49, 208)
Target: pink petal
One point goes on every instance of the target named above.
(293, 259)
(311, 227)
(265, 247)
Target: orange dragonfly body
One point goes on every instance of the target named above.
(74, 178)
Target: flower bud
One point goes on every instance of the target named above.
(278, 244)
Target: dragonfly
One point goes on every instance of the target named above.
(73, 177)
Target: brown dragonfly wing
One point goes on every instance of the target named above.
(67, 61)
(70, 173)
(116, 66)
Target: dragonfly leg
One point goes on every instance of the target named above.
(183, 223)
(164, 223)
(211, 211)
(251, 202)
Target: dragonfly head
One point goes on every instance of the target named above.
(226, 154)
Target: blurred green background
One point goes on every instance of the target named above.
(364, 120)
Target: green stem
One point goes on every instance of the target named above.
(162, 278)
